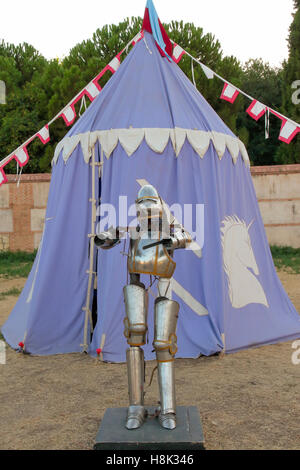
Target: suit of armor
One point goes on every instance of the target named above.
(154, 229)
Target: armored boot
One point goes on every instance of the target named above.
(136, 379)
(136, 304)
(165, 345)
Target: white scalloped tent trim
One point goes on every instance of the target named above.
(156, 139)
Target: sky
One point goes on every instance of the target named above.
(245, 29)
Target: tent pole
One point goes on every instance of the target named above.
(90, 272)
(224, 344)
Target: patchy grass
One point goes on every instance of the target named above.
(286, 258)
(19, 264)
(14, 265)
(14, 292)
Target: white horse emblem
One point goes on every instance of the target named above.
(238, 258)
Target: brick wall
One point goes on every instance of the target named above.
(22, 212)
(22, 209)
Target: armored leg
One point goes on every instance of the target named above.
(164, 288)
(136, 305)
(165, 345)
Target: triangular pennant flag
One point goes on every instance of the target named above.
(229, 93)
(114, 64)
(44, 134)
(178, 53)
(137, 38)
(152, 25)
(256, 110)
(69, 115)
(21, 155)
(288, 131)
(92, 91)
(208, 72)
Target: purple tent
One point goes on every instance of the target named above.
(151, 124)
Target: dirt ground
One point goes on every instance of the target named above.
(247, 400)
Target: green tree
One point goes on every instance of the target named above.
(21, 68)
(207, 49)
(291, 74)
(88, 58)
(38, 89)
(83, 63)
(264, 83)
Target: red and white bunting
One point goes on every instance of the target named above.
(3, 178)
(229, 93)
(44, 135)
(21, 155)
(114, 64)
(69, 115)
(92, 91)
(178, 53)
(288, 131)
(208, 72)
(137, 38)
(256, 110)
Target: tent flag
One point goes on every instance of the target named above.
(69, 115)
(229, 93)
(115, 63)
(92, 91)
(289, 129)
(44, 134)
(256, 110)
(137, 38)
(178, 53)
(208, 72)
(22, 156)
(152, 25)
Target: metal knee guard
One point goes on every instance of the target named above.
(136, 379)
(136, 305)
(165, 345)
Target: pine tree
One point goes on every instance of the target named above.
(291, 89)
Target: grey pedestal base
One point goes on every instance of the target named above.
(113, 434)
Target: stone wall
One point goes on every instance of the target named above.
(22, 209)
(278, 192)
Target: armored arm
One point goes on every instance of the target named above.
(179, 239)
(109, 239)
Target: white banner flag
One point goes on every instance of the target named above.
(256, 110)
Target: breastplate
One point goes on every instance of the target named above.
(155, 260)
